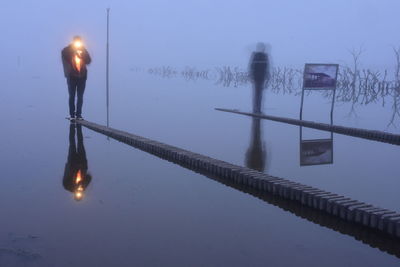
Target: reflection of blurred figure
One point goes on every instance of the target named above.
(256, 154)
(76, 177)
(259, 74)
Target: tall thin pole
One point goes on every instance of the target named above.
(107, 69)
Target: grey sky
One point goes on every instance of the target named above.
(200, 33)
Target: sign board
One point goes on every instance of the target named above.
(316, 152)
(320, 76)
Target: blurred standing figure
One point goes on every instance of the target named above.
(259, 74)
(75, 57)
(76, 177)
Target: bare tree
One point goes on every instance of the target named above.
(396, 91)
(354, 74)
(397, 66)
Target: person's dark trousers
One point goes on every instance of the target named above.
(257, 96)
(76, 86)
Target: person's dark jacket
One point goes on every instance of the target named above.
(259, 67)
(67, 56)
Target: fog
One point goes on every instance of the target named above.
(197, 33)
(171, 64)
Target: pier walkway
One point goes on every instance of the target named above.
(379, 136)
(373, 225)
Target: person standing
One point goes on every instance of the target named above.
(75, 57)
(259, 74)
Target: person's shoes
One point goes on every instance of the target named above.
(71, 118)
(79, 117)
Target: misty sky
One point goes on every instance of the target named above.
(198, 33)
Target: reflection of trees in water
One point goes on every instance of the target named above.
(190, 73)
(354, 85)
(364, 87)
(164, 71)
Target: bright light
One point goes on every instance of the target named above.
(77, 64)
(78, 44)
(78, 194)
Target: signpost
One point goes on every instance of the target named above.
(319, 77)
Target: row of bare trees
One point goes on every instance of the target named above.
(361, 86)
(355, 85)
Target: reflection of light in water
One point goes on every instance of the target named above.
(78, 193)
(78, 177)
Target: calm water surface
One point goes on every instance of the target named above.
(141, 210)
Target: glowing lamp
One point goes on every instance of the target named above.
(77, 44)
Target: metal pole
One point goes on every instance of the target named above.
(301, 105)
(333, 104)
(107, 69)
(300, 139)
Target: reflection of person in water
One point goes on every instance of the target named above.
(76, 177)
(259, 73)
(256, 154)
